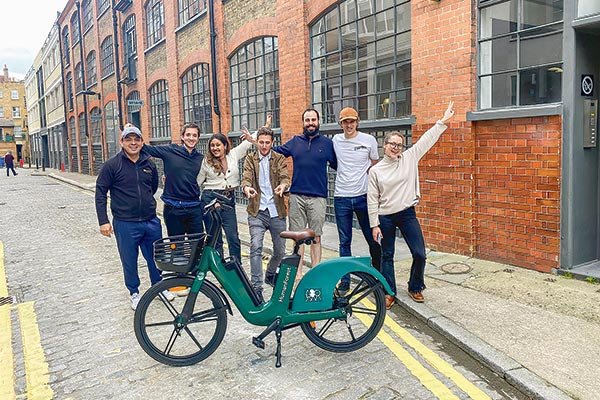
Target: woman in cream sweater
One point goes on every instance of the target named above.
(392, 196)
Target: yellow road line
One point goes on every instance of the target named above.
(433, 359)
(7, 377)
(427, 379)
(3, 287)
(36, 367)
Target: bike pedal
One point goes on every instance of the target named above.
(258, 343)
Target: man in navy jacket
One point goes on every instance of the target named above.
(132, 180)
(311, 152)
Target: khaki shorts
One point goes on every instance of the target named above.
(307, 212)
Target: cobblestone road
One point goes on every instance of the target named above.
(55, 257)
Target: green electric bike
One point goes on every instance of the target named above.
(188, 329)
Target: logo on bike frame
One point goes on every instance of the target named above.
(313, 295)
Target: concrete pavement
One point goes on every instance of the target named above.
(538, 331)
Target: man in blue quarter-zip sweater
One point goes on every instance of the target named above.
(311, 152)
(132, 180)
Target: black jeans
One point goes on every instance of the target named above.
(182, 220)
(10, 167)
(409, 225)
(230, 225)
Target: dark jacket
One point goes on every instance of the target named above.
(9, 160)
(310, 163)
(181, 171)
(132, 187)
(278, 174)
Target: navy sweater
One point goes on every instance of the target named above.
(181, 171)
(310, 158)
(132, 187)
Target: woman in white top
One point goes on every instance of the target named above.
(220, 173)
(392, 196)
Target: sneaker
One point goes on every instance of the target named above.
(270, 280)
(135, 299)
(417, 296)
(343, 288)
(168, 295)
(180, 291)
(259, 295)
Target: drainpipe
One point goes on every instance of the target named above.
(85, 105)
(213, 60)
(62, 75)
(117, 64)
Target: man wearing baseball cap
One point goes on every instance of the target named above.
(356, 152)
(132, 179)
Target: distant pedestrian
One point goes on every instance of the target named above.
(264, 181)
(392, 196)
(9, 161)
(356, 152)
(311, 153)
(181, 195)
(132, 180)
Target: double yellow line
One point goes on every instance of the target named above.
(427, 379)
(36, 367)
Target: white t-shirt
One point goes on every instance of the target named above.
(354, 159)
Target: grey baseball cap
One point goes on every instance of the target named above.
(130, 129)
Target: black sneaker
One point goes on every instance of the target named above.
(270, 280)
(259, 295)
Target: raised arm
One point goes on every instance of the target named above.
(433, 134)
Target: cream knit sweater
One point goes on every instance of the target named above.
(394, 184)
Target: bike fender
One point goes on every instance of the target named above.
(315, 291)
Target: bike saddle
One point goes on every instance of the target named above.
(300, 237)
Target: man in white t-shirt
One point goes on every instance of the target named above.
(356, 152)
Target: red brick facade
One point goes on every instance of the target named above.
(490, 188)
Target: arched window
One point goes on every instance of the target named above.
(108, 61)
(88, 14)
(78, 78)
(70, 90)
(96, 125)
(102, 5)
(72, 133)
(188, 9)
(130, 48)
(90, 64)
(66, 45)
(196, 97)
(255, 83)
(159, 110)
(155, 22)
(75, 33)
(83, 139)
(111, 123)
(361, 57)
(133, 108)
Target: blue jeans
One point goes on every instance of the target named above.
(258, 226)
(410, 228)
(229, 224)
(131, 237)
(345, 208)
(182, 220)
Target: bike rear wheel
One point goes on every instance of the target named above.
(365, 306)
(169, 338)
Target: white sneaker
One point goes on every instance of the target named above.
(135, 299)
(168, 295)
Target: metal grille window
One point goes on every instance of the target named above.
(361, 57)
(108, 62)
(189, 9)
(155, 22)
(70, 90)
(66, 47)
(102, 5)
(88, 14)
(520, 52)
(83, 139)
(75, 33)
(159, 110)
(133, 109)
(196, 97)
(129, 48)
(90, 63)
(255, 83)
(78, 78)
(111, 123)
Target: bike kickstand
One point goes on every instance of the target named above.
(258, 341)
(278, 351)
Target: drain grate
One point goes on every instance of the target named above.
(6, 300)
(456, 268)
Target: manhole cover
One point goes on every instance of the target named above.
(456, 268)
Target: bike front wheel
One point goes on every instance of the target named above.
(169, 337)
(364, 303)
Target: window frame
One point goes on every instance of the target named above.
(88, 14)
(91, 72)
(78, 77)
(102, 5)
(75, 28)
(107, 66)
(129, 31)
(66, 45)
(158, 94)
(188, 9)
(195, 87)
(14, 94)
(155, 22)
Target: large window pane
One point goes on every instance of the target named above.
(541, 12)
(540, 85)
(540, 49)
(498, 19)
(196, 97)
(498, 55)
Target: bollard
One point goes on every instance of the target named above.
(43, 165)
(37, 164)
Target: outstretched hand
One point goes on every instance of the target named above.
(247, 135)
(449, 113)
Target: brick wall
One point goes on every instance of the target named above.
(518, 191)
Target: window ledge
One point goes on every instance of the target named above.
(102, 13)
(107, 75)
(155, 45)
(520, 112)
(191, 21)
(374, 124)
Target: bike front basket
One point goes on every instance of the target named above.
(178, 253)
